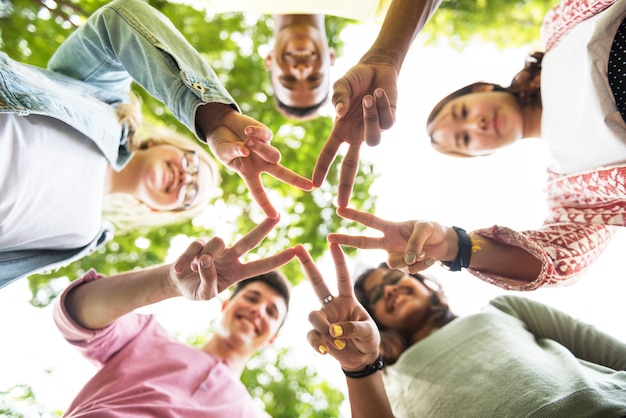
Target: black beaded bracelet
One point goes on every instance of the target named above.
(464, 254)
(369, 369)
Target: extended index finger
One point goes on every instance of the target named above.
(255, 236)
(289, 177)
(267, 264)
(325, 159)
(312, 272)
(257, 191)
(363, 218)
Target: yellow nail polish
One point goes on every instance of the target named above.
(337, 330)
(339, 344)
(322, 349)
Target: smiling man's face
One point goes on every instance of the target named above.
(252, 317)
(299, 66)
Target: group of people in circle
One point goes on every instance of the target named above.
(401, 346)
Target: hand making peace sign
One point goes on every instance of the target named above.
(204, 270)
(342, 327)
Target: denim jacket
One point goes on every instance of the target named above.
(90, 74)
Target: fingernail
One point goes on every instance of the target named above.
(248, 130)
(322, 349)
(378, 93)
(339, 107)
(367, 100)
(429, 262)
(339, 344)
(178, 268)
(410, 258)
(422, 255)
(337, 330)
(206, 262)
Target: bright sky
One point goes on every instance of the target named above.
(415, 183)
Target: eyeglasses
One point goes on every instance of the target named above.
(376, 293)
(190, 162)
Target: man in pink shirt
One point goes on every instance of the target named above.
(143, 371)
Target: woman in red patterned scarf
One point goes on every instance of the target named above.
(580, 112)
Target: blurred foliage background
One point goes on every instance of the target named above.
(234, 44)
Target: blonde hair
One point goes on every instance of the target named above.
(127, 213)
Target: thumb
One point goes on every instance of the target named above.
(226, 151)
(341, 96)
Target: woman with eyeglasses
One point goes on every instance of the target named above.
(516, 357)
(71, 136)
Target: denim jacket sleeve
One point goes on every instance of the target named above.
(128, 40)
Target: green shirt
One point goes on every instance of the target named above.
(516, 358)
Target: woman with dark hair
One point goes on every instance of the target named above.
(517, 357)
(571, 97)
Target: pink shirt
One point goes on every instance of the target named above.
(145, 373)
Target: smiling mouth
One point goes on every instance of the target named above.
(171, 178)
(301, 53)
(496, 122)
(249, 322)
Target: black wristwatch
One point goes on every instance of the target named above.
(464, 253)
(369, 369)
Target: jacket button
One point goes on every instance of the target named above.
(199, 87)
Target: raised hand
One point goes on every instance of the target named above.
(410, 245)
(365, 100)
(342, 327)
(242, 144)
(206, 269)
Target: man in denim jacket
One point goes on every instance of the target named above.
(91, 73)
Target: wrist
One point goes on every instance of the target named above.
(463, 251)
(378, 55)
(169, 288)
(209, 117)
(366, 370)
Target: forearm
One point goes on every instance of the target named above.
(404, 20)
(209, 117)
(583, 340)
(99, 303)
(368, 397)
(505, 260)
(560, 252)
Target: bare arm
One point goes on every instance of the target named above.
(506, 260)
(99, 303)
(404, 20)
(201, 272)
(343, 329)
(365, 98)
(415, 245)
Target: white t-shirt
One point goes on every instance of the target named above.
(580, 122)
(369, 11)
(51, 184)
